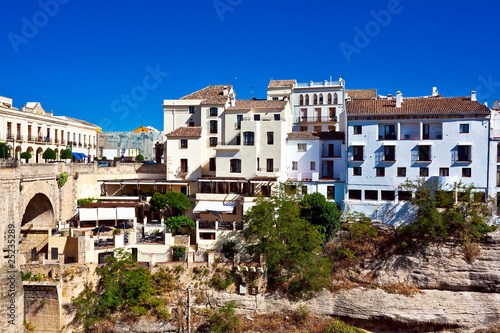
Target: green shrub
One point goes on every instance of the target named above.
(25, 277)
(139, 158)
(302, 314)
(63, 178)
(49, 154)
(25, 155)
(223, 280)
(338, 326)
(104, 158)
(4, 150)
(66, 154)
(229, 249)
(96, 158)
(224, 320)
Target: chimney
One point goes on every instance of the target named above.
(225, 91)
(399, 99)
(389, 97)
(485, 103)
(473, 96)
(24, 108)
(434, 91)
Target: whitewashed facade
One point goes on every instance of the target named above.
(392, 140)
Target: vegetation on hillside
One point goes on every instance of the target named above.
(124, 287)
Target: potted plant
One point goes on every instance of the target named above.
(178, 253)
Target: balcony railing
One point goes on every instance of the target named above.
(268, 169)
(182, 171)
(318, 84)
(316, 119)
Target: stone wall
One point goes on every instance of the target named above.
(42, 305)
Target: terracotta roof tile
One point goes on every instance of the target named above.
(331, 135)
(416, 105)
(210, 95)
(281, 83)
(185, 132)
(356, 94)
(249, 104)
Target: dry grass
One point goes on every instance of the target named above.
(471, 252)
(404, 289)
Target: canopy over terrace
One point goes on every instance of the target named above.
(132, 189)
(95, 212)
(235, 185)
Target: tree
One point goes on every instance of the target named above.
(4, 150)
(177, 203)
(321, 213)
(66, 154)
(26, 155)
(158, 202)
(290, 244)
(139, 158)
(461, 213)
(49, 154)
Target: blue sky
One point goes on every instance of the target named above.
(83, 58)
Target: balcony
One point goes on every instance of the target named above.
(10, 137)
(268, 169)
(31, 139)
(319, 84)
(181, 171)
(326, 119)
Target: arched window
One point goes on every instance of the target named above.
(320, 99)
(315, 99)
(307, 99)
(301, 100)
(335, 99)
(329, 98)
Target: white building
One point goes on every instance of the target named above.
(33, 129)
(394, 139)
(317, 161)
(225, 150)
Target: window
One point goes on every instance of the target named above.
(213, 112)
(388, 195)
(192, 109)
(390, 132)
(313, 165)
(9, 130)
(464, 153)
(239, 119)
(424, 172)
(277, 116)
(270, 165)
(235, 165)
(444, 172)
(303, 128)
(389, 153)
(256, 117)
(213, 126)
(248, 138)
(358, 129)
(238, 140)
(355, 194)
(380, 172)
(270, 138)
(404, 195)
(357, 153)
(330, 192)
(356, 171)
(426, 131)
(424, 153)
(275, 98)
(191, 124)
(295, 165)
(307, 99)
(301, 100)
(320, 98)
(184, 143)
(332, 114)
(329, 98)
(211, 164)
(301, 146)
(464, 128)
(335, 99)
(315, 99)
(401, 172)
(184, 165)
(371, 195)
(213, 142)
(29, 133)
(466, 172)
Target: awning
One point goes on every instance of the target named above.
(77, 156)
(83, 155)
(217, 206)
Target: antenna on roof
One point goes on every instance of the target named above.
(142, 120)
(234, 79)
(251, 92)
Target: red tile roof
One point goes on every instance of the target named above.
(356, 94)
(331, 135)
(416, 105)
(281, 83)
(210, 95)
(249, 104)
(185, 132)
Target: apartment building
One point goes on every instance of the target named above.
(316, 161)
(33, 129)
(394, 139)
(225, 150)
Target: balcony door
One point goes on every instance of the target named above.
(317, 114)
